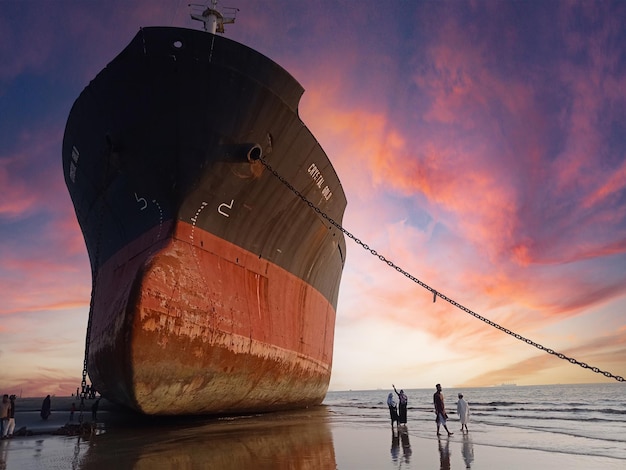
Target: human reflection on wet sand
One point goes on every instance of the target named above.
(294, 440)
(395, 445)
(3, 454)
(444, 453)
(406, 445)
(397, 436)
(467, 450)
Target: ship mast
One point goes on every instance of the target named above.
(212, 18)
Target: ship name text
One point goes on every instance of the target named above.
(318, 179)
(74, 163)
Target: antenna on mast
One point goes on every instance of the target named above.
(212, 18)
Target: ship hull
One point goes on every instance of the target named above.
(214, 285)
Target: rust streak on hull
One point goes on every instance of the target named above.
(209, 335)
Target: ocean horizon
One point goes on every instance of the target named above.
(575, 419)
(577, 427)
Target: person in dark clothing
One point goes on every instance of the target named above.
(94, 410)
(5, 405)
(45, 408)
(402, 404)
(393, 410)
(11, 426)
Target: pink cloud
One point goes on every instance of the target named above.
(31, 177)
(608, 352)
(53, 382)
(16, 195)
(608, 190)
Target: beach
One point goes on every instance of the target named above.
(351, 430)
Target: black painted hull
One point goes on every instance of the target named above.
(215, 286)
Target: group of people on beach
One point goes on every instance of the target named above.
(398, 412)
(7, 416)
(7, 412)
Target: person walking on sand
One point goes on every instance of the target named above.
(393, 410)
(11, 425)
(462, 409)
(402, 404)
(45, 408)
(440, 410)
(94, 410)
(72, 410)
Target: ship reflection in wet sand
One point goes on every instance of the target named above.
(296, 440)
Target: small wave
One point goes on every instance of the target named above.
(545, 418)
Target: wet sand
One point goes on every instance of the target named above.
(315, 438)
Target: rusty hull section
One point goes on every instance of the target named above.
(212, 329)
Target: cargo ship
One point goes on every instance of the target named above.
(214, 283)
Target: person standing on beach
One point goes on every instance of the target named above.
(402, 404)
(72, 410)
(462, 409)
(94, 410)
(393, 410)
(4, 415)
(440, 410)
(11, 428)
(45, 407)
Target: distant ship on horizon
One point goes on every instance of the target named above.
(215, 286)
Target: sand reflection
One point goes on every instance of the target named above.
(406, 445)
(395, 445)
(294, 440)
(400, 437)
(444, 453)
(467, 450)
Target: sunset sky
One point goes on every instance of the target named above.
(481, 146)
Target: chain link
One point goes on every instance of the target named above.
(430, 289)
(94, 283)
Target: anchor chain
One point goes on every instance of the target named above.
(429, 288)
(94, 283)
(83, 382)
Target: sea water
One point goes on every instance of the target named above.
(578, 427)
(587, 419)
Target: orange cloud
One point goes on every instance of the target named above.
(40, 384)
(16, 196)
(608, 352)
